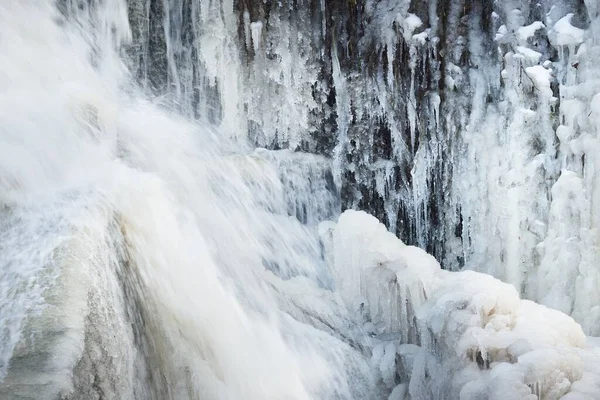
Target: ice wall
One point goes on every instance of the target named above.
(536, 231)
(468, 127)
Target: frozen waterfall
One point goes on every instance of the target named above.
(219, 199)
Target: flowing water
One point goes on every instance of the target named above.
(168, 254)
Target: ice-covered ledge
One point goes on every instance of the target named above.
(440, 334)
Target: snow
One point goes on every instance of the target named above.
(502, 31)
(410, 23)
(526, 32)
(541, 78)
(565, 34)
(530, 55)
(421, 38)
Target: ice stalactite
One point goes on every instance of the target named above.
(574, 221)
(538, 234)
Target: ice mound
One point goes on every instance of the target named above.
(438, 334)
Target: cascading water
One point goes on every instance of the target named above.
(143, 256)
(148, 250)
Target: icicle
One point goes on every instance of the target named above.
(256, 28)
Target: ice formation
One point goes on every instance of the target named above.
(428, 110)
(439, 334)
(170, 171)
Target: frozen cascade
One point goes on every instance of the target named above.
(429, 110)
(170, 171)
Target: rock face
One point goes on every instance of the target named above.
(94, 334)
(81, 340)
